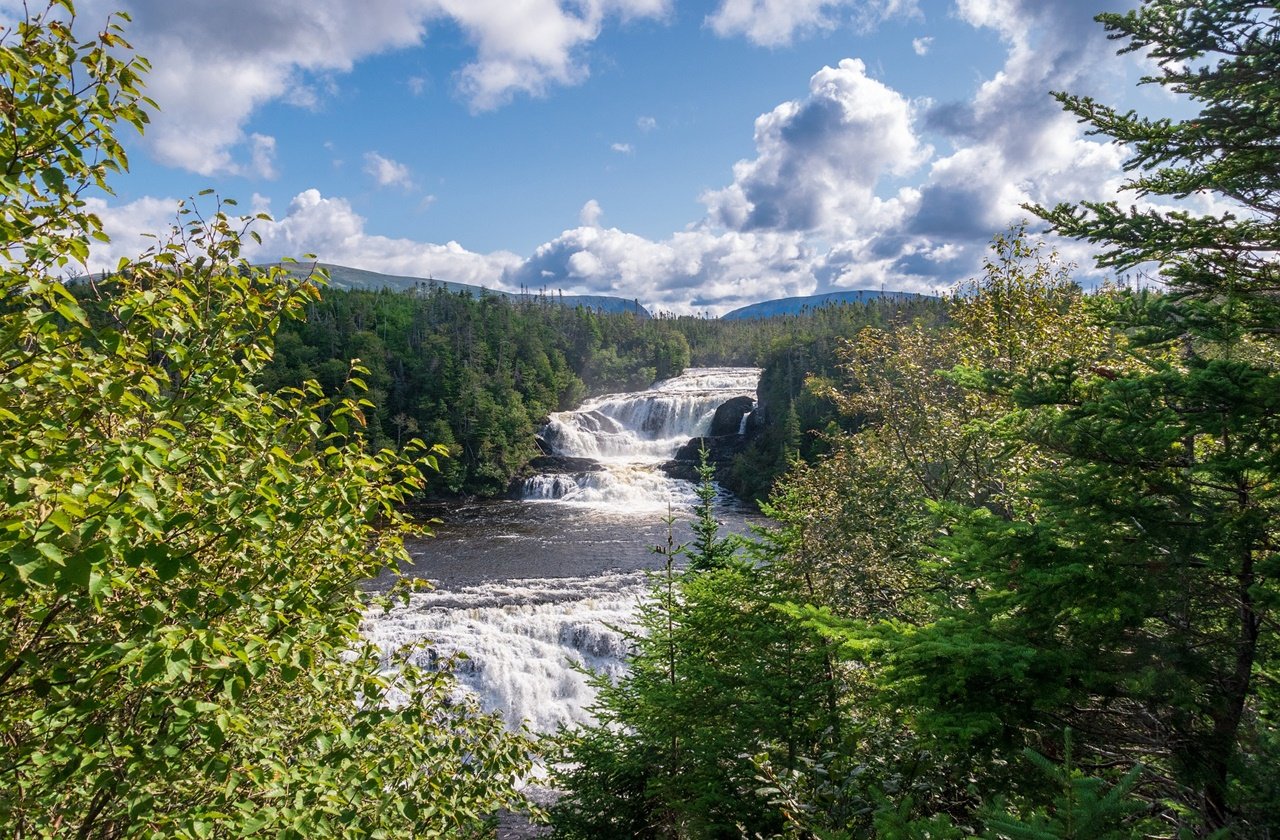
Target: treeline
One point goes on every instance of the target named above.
(1031, 589)
(475, 374)
(1012, 603)
(479, 375)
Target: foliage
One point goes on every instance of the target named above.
(1084, 807)
(180, 654)
(1120, 578)
(859, 532)
(1160, 529)
(480, 374)
(799, 417)
(718, 681)
(708, 550)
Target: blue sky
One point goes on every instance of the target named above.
(697, 156)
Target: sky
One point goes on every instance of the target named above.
(696, 156)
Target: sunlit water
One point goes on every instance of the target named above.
(533, 591)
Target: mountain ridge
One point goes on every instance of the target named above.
(797, 305)
(346, 278)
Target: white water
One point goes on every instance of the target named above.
(523, 640)
(531, 592)
(630, 434)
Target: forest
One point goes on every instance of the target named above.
(479, 375)
(1021, 582)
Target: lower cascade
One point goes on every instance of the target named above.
(529, 592)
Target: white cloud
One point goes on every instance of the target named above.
(134, 228)
(387, 172)
(529, 46)
(591, 214)
(646, 123)
(922, 45)
(776, 23)
(622, 148)
(335, 233)
(1012, 144)
(263, 156)
(820, 159)
(842, 192)
(698, 270)
(214, 69)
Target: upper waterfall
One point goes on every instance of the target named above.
(648, 426)
(630, 434)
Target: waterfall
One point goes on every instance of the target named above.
(524, 641)
(628, 435)
(529, 592)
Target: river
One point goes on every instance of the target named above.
(532, 590)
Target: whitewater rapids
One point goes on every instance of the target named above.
(530, 592)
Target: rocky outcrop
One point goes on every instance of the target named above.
(723, 444)
(728, 417)
(560, 464)
(721, 450)
(550, 465)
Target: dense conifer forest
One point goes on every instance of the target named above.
(1021, 582)
(480, 374)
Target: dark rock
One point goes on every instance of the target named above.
(556, 464)
(550, 465)
(728, 417)
(721, 450)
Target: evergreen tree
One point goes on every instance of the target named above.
(1199, 472)
(718, 682)
(709, 550)
(1134, 596)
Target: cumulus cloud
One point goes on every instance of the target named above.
(724, 269)
(335, 233)
(526, 47)
(775, 23)
(646, 123)
(387, 172)
(830, 165)
(852, 184)
(214, 69)
(820, 159)
(921, 45)
(693, 271)
(1012, 144)
(622, 148)
(133, 228)
(590, 214)
(262, 155)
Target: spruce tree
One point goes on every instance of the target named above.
(1135, 599)
(1176, 469)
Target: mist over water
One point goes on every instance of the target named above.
(531, 590)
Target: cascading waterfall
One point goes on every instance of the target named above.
(523, 640)
(530, 593)
(628, 435)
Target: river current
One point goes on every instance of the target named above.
(530, 591)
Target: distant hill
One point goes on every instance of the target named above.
(798, 305)
(343, 277)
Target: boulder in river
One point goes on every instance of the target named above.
(558, 464)
(728, 417)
